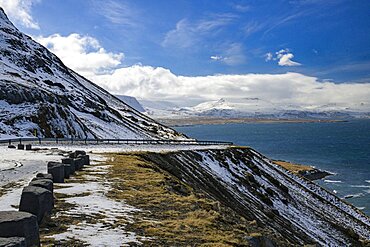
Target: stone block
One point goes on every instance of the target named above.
(56, 169)
(71, 162)
(43, 183)
(20, 224)
(37, 201)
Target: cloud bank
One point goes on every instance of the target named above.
(20, 12)
(85, 55)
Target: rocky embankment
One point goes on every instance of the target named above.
(290, 209)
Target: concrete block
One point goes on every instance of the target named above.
(21, 146)
(71, 162)
(56, 169)
(67, 170)
(37, 201)
(44, 176)
(28, 147)
(20, 224)
(43, 183)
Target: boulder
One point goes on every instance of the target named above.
(43, 183)
(28, 147)
(85, 158)
(79, 163)
(20, 224)
(71, 162)
(44, 175)
(13, 242)
(67, 170)
(21, 146)
(11, 146)
(37, 201)
(56, 169)
(80, 152)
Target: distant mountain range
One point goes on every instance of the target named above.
(253, 108)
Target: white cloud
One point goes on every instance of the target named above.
(216, 58)
(232, 55)
(88, 57)
(117, 12)
(286, 60)
(82, 53)
(268, 56)
(148, 82)
(20, 11)
(284, 57)
(187, 34)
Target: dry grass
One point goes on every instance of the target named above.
(295, 168)
(173, 214)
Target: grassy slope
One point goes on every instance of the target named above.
(174, 214)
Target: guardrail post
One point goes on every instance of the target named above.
(85, 140)
(56, 140)
(40, 140)
(10, 142)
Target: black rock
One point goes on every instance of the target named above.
(20, 224)
(71, 162)
(57, 170)
(79, 163)
(37, 201)
(67, 170)
(43, 183)
(11, 146)
(13, 242)
(44, 175)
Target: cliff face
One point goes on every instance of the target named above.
(37, 91)
(292, 207)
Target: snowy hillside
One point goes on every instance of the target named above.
(38, 92)
(132, 102)
(292, 207)
(260, 108)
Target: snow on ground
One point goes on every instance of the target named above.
(88, 195)
(86, 191)
(17, 168)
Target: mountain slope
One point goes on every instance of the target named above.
(37, 91)
(296, 209)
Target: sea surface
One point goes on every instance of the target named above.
(342, 148)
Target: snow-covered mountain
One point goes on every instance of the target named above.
(260, 108)
(132, 102)
(38, 92)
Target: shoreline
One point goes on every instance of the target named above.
(307, 171)
(183, 122)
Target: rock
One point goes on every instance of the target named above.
(71, 162)
(85, 158)
(80, 152)
(56, 169)
(13, 242)
(11, 146)
(67, 170)
(44, 175)
(37, 201)
(43, 183)
(21, 146)
(79, 163)
(28, 147)
(20, 224)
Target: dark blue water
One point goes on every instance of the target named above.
(339, 147)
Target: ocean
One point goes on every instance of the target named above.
(342, 148)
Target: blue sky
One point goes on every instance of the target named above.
(324, 39)
(331, 39)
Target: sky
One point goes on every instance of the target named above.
(307, 52)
